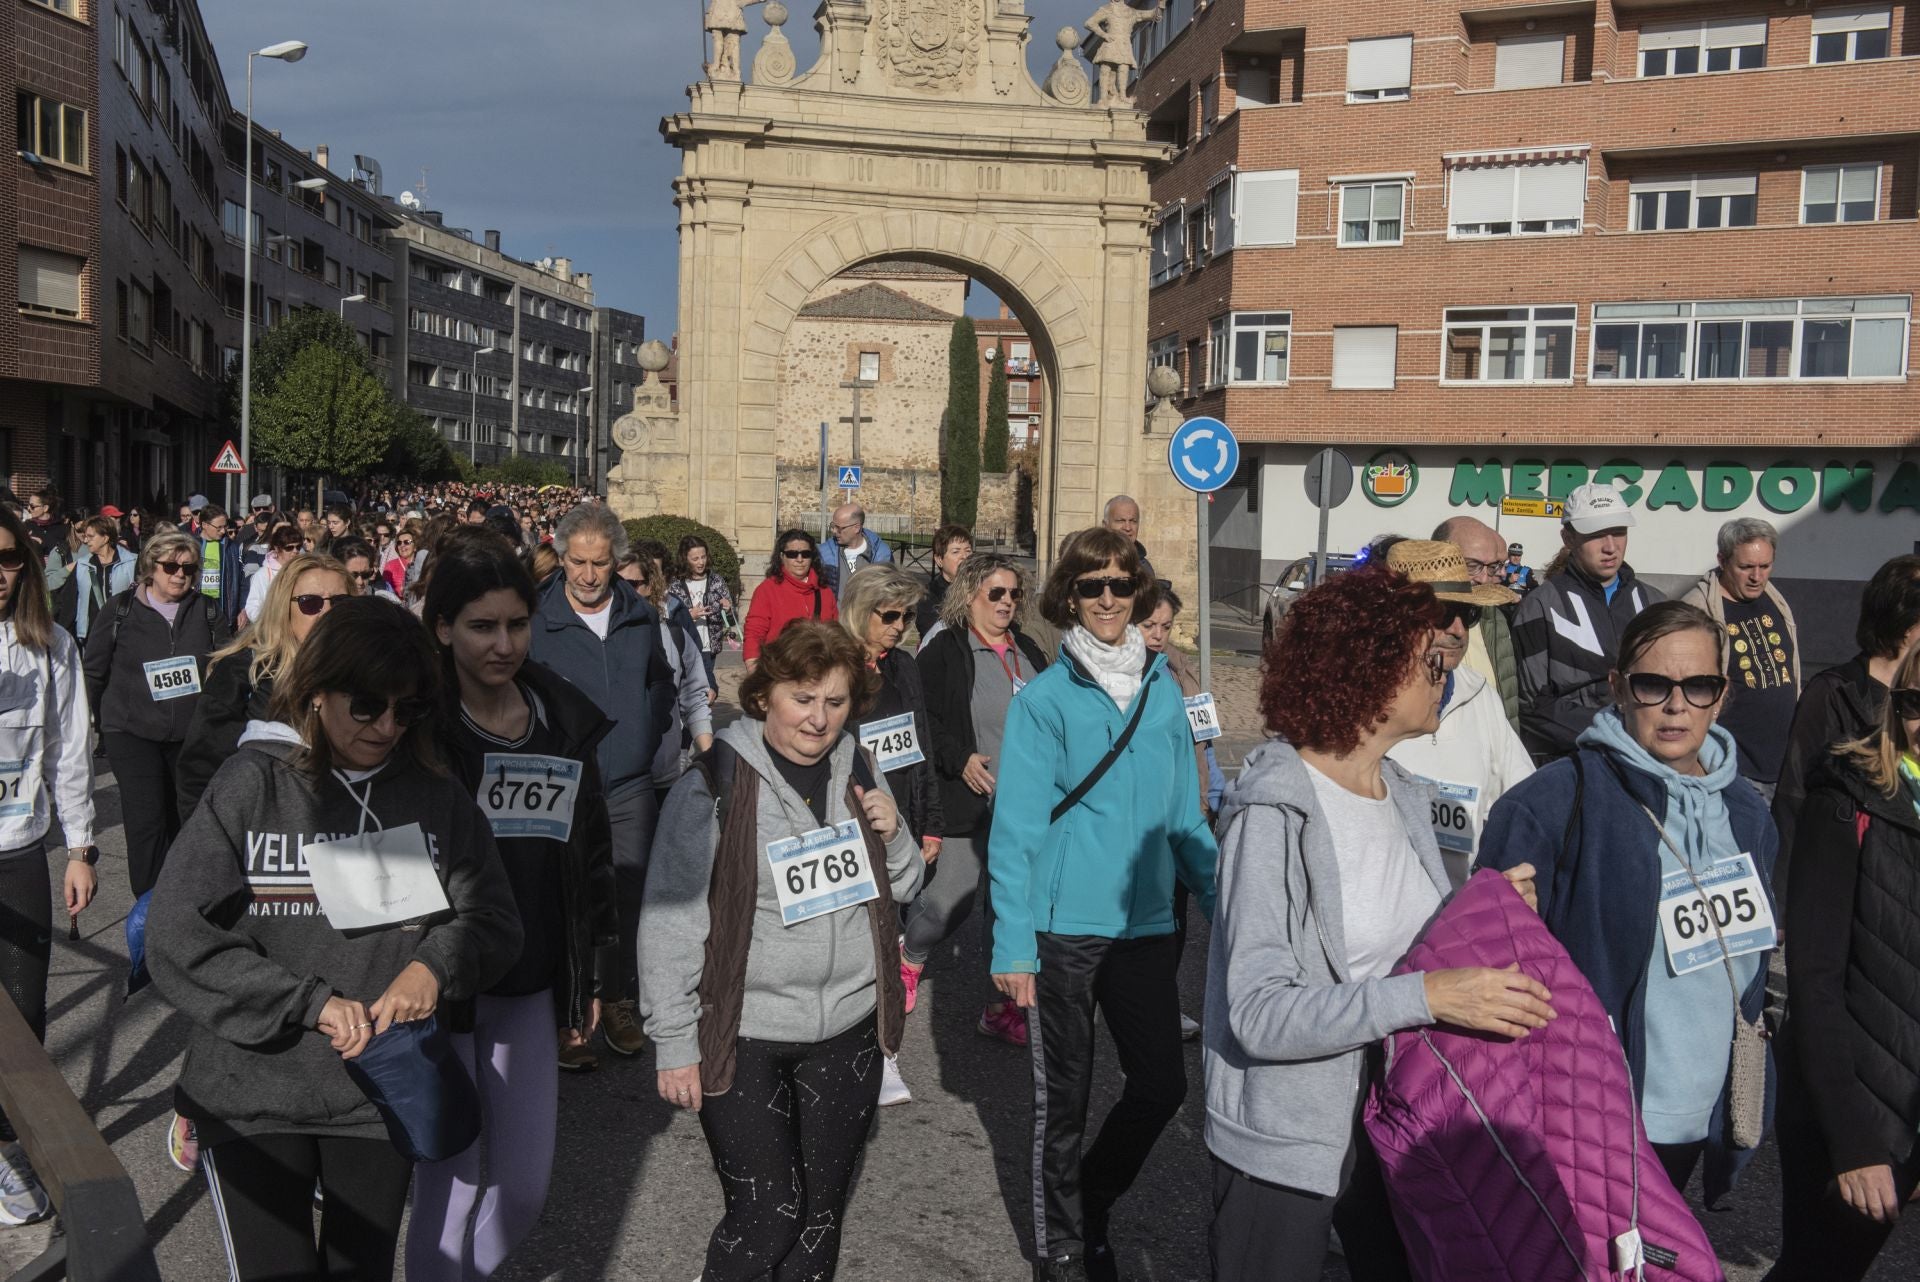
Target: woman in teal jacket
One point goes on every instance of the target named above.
(1098, 811)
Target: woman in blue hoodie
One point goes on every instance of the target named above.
(1655, 869)
(1097, 811)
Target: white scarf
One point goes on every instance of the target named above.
(1118, 668)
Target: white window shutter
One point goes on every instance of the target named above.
(1726, 33)
(1852, 18)
(1363, 356)
(1684, 35)
(1527, 62)
(1269, 207)
(1384, 63)
(1727, 185)
(1552, 191)
(1481, 195)
(1823, 186)
(49, 280)
(1858, 182)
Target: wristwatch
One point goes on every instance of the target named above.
(88, 855)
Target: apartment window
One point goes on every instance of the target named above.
(1260, 345)
(67, 7)
(53, 131)
(139, 317)
(1364, 356)
(1219, 348)
(1269, 207)
(1164, 351)
(1509, 345)
(330, 272)
(140, 73)
(1852, 34)
(233, 218)
(1840, 193)
(1209, 107)
(139, 193)
(1695, 201)
(50, 282)
(1379, 69)
(1688, 48)
(1528, 62)
(869, 367)
(1490, 198)
(1751, 340)
(1019, 393)
(1370, 213)
(1220, 217)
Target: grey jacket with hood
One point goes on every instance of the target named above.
(238, 943)
(804, 983)
(1287, 1032)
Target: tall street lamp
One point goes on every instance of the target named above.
(285, 51)
(579, 408)
(350, 298)
(473, 389)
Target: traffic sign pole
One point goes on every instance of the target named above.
(1204, 456)
(1327, 464)
(1200, 502)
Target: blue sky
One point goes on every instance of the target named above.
(539, 119)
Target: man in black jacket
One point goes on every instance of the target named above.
(1566, 632)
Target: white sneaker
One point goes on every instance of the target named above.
(22, 1200)
(1189, 1028)
(893, 1087)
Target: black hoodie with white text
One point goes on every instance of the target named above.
(237, 941)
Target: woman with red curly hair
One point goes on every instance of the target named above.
(1328, 872)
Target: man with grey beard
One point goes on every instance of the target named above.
(1490, 645)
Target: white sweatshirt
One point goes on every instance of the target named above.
(46, 757)
(1471, 761)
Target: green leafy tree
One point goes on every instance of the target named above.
(518, 469)
(993, 450)
(324, 413)
(416, 450)
(722, 559)
(960, 470)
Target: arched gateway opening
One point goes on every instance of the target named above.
(919, 135)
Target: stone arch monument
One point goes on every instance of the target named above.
(918, 134)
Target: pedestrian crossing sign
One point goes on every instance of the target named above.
(850, 477)
(227, 462)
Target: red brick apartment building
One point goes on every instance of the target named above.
(1497, 249)
(110, 361)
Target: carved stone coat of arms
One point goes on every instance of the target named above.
(932, 44)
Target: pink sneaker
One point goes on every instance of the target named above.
(1004, 1022)
(910, 977)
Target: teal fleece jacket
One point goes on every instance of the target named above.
(1107, 867)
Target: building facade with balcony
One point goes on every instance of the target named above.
(1494, 250)
(319, 237)
(487, 339)
(109, 365)
(1004, 338)
(617, 339)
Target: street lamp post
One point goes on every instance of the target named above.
(285, 51)
(473, 389)
(350, 298)
(579, 408)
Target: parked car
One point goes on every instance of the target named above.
(1294, 579)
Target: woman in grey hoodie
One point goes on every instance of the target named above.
(769, 953)
(1328, 873)
(260, 934)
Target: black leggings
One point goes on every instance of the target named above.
(785, 1138)
(145, 770)
(262, 1188)
(26, 937)
(1266, 1231)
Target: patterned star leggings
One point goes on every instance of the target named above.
(785, 1139)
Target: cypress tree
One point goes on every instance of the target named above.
(993, 451)
(960, 474)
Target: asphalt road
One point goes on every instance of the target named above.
(942, 1193)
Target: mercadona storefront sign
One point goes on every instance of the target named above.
(1782, 487)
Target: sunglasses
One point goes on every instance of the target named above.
(364, 576)
(368, 708)
(1469, 615)
(997, 595)
(797, 554)
(1436, 667)
(312, 603)
(1905, 700)
(175, 567)
(1090, 589)
(12, 558)
(889, 617)
(1650, 689)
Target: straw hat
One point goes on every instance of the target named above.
(1443, 567)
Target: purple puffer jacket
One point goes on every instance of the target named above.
(1521, 1160)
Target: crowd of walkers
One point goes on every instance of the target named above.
(426, 803)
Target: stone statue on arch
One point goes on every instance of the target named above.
(1111, 47)
(727, 23)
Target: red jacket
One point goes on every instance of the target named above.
(778, 602)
